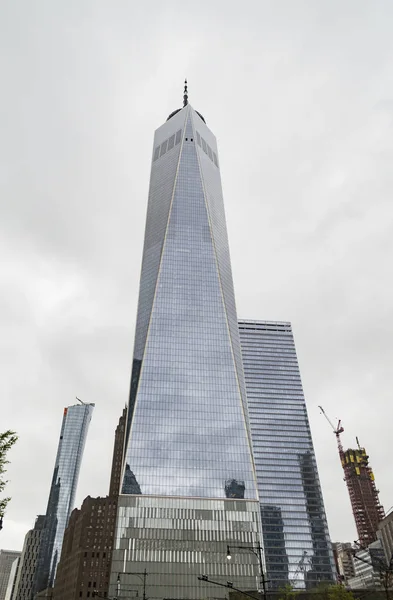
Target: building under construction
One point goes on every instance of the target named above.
(363, 493)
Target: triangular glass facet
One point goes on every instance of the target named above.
(189, 434)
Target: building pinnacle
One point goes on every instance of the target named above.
(185, 96)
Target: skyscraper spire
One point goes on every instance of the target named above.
(185, 96)
(185, 103)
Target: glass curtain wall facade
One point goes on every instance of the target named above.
(188, 434)
(74, 428)
(295, 532)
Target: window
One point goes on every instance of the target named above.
(204, 145)
(198, 139)
(178, 137)
(171, 142)
(163, 147)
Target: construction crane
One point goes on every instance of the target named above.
(363, 494)
(302, 565)
(336, 430)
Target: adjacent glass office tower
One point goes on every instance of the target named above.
(189, 485)
(295, 532)
(74, 428)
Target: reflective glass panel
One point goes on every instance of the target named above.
(73, 435)
(295, 532)
(188, 424)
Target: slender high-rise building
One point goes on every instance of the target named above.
(74, 428)
(189, 484)
(84, 566)
(295, 532)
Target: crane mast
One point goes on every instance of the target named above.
(336, 430)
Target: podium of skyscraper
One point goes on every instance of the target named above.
(74, 428)
(189, 484)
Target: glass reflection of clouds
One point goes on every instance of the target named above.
(75, 425)
(188, 431)
(295, 531)
(189, 485)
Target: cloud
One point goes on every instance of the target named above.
(300, 98)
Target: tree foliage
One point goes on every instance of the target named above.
(288, 592)
(7, 440)
(328, 591)
(339, 592)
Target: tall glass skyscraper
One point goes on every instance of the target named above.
(295, 532)
(189, 484)
(74, 428)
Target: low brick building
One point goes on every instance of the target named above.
(87, 550)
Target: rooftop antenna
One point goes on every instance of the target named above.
(185, 95)
(79, 400)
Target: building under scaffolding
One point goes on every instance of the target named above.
(359, 477)
(363, 493)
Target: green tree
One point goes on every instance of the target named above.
(7, 440)
(339, 592)
(288, 592)
(327, 591)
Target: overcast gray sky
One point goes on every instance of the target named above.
(300, 96)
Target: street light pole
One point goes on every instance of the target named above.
(141, 576)
(257, 550)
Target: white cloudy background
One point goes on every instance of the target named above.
(300, 96)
